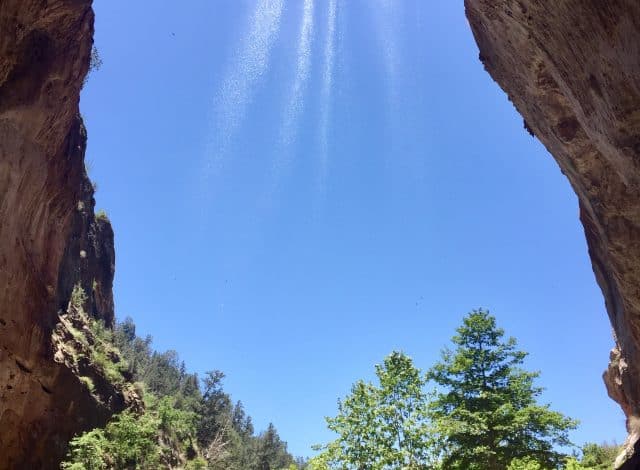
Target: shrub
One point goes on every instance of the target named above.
(196, 464)
(129, 441)
(87, 452)
(102, 215)
(78, 297)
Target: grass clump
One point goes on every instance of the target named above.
(88, 383)
(102, 215)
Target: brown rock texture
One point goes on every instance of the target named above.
(572, 69)
(50, 239)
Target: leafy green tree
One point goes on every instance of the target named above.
(327, 459)
(599, 456)
(133, 441)
(177, 423)
(87, 451)
(129, 441)
(385, 426)
(486, 413)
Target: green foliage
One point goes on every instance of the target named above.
(128, 441)
(182, 421)
(105, 355)
(526, 463)
(272, 451)
(95, 341)
(87, 452)
(88, 383)
(572, 464)
(179, 424)
(197, 464)
(486, 414)
(78, 297)
(384, 426)
(326, 460)
(599, 456)
(133, 441)
(102, 215)
(215, 408)
(162, 373)
(145, 441)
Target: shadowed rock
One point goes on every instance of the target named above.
(49, 237)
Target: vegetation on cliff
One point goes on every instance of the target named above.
(481, 413)
(186, 422)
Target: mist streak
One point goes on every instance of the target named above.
(384, 18)
(325, 93)
(295, 103)
(249, 64)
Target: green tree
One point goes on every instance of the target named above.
(486, 413)
(599, 456)
(385, 426)
(272, 451)
(215, 409)
(129, 441)
(87, 451)
(176, 423)
(240, 421)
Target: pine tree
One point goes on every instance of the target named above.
(487, 414)
(272, 451)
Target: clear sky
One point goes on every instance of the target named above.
(298, 187)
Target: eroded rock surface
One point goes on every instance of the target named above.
(50, 239)
(572, 69)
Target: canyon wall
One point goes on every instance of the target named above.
(572, 69)
(50, 240)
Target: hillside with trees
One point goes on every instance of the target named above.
(188, 421)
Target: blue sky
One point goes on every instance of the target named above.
(299, 187)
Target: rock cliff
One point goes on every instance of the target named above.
(50, 240)
(572, 69)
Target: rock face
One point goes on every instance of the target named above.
(50, 239)
(572, 69)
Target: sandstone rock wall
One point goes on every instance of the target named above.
(49, 237)
(572, 69)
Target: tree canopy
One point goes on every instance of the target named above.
(383, 426)
(482, 414)
(486, 412)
